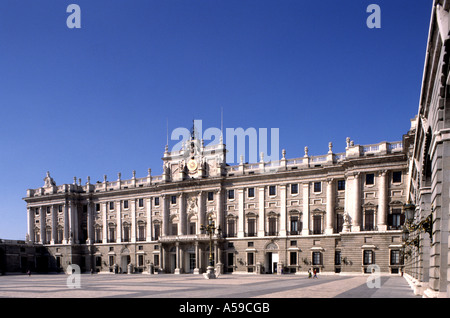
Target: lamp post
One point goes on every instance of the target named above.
(210, 230)
(412, 230)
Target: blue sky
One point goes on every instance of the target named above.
(95, 100)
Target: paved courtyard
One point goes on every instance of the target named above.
(195, 286)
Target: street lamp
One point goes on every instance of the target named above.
(210, 229)
(426, 225)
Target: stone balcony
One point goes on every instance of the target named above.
(187, 238)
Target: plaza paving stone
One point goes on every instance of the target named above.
(195, 286)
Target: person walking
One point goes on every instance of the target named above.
(309, 273)
(315, 273)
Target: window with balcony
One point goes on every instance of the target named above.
(251, 227)
(317, 224)
(369, 222)
(272, 226)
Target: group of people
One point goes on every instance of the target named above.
(312, 274)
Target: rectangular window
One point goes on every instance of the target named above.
(395, 257)
(317, 224)
(174, 229)
(156, 232)
(341, 185)
(157, 201)
(98, 261)
(112, 235)
(337, 258)
(141, 260)
(156, 260)
(368, 257)
(173, 199)
(141, 232)
(317, 186)
(251, 227)
(192, 227)
(370, 178)
(97, 207)
(397, 177)
(272, 190)
(317, 258)
(98, 235)
(251, 192)
(272, 226)
(125, 204)
(111, 206)
(230, 194)
(230, 229)
(141, 203)
(369, 220)
(396, 219)
(294, 225)
(294, 188)
(210, 196)
(293, 258)
(250, 259)
(60, 207)
(339, 222)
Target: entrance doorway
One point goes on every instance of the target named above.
(271, 262)
(125, 260)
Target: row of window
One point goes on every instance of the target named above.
(317, 258)
(295, 227)
(294, 189)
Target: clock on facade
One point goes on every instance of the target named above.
(192, 165)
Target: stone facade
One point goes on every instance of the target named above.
(336, 213)
(427, 256)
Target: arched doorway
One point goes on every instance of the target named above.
(271, 258)
(125, 259)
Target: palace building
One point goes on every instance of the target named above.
(336, 213)
(427, 257)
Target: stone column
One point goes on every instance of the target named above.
(283, 210)
(382, 201)
(241, 229)
(66, 220)
(183, 216)
(149, 220)
(220, 214)
(75, 226)
(197, 267)
(166, 215)
(42, 223)
(70, 223)
(201, 211)
(90, 225)
(30, 223)
(54, 224)
(105, 221)
(330, 206)
(261, 216)
(305, 218)
(119, 221)
(177, 259)
(356, 224)
(133, 219)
